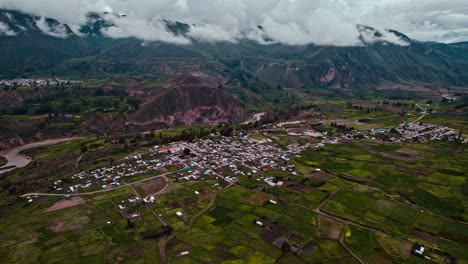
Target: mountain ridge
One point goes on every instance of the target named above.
(372, 66)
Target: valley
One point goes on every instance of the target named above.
(233, 132)
(340, 184)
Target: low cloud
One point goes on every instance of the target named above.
(154, 30)
(5, 30)
(294, 22)
(56, 31)
(213, 33)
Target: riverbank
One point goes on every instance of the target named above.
(14, 158)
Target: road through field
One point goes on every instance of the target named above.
(100, 191)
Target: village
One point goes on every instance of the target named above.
(232, 158)
(221, 162)
(35, 82)
(223, 158)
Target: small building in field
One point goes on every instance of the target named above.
(418, 250)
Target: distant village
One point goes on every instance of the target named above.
(35, 82)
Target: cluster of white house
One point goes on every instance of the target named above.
(425, 132)
(35, 82)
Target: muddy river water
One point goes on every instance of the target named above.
(17, 160)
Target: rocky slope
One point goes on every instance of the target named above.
(187, 101)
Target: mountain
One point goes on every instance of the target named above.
(386, 62)
(181, 104)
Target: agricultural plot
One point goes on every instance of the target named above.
(231, 230)
(365, 244)
(393, 218)
(399, 169)
(96, 231)
(299, 206)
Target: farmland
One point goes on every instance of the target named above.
(290, 192)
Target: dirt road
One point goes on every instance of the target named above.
(100, 191)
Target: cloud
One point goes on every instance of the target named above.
(213, 33)
(56, 30)
(5, 30)
(370, 35)
(295, 22)
(154, 30)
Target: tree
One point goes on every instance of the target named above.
(130, 224)
(133, 103)
(187, 151)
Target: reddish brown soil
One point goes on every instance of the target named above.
(320, 175)
(402, 156)
(258, 198)
(296, 186)
(454, 237)
(423, 235)
(153, 186)
(409, 170)
(274, 227)
(66, 203)
(163, 170)
(61, 226)
(268, 236)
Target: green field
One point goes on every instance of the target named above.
(357, 197)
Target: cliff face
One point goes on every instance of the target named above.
(367, 67)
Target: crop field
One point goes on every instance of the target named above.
(342, 202)
(438, 186)
(93, 232)
(228, 231)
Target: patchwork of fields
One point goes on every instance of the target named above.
(348, 201)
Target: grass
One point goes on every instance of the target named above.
(3, 161)
(403, 214)
(445, 179)
(348, 204)
(433, 202)
(364, 244)
(428, 223)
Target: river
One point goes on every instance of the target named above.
(17, 160)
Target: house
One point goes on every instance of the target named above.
(135, 215)
(418, 250)
(179, 214)
(273, 202)
(258, 223)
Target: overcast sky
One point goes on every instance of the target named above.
(287, 21)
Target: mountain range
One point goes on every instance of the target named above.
(36, 46)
